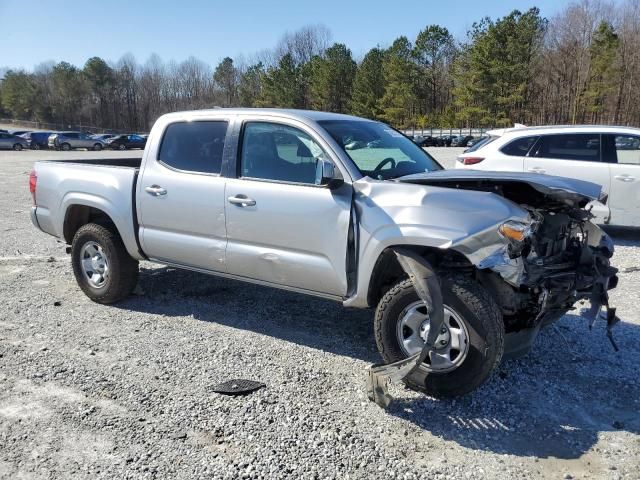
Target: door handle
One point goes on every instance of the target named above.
(537, 170)
(155, 190)
(625, 178)
(242, 201)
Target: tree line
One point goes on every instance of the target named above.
(581, 66)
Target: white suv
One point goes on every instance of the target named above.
(609, 156)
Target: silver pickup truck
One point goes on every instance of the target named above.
(462, 267)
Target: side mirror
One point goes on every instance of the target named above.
(326, 174)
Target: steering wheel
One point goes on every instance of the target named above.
(384, 162)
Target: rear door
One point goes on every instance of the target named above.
(624, 198)
(573, 155)
(180, 196)
(282, 228)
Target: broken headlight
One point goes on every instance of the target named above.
(517, 235)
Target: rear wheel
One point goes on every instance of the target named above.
(17, 147)
(66, 147)
(468, 348)
(103, 268)
(121, 146)
(97, 147)
(35, 146)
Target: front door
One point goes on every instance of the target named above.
(181, 197)
(282, 228)
(574, 156)
(624, 199)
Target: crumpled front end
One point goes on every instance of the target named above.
(560, 258)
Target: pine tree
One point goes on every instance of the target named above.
(331, 79)
(368, 86)
(398, 100)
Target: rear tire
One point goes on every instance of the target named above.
(482, 320)
(97, 147)
(120, 276)
(17, 147)
(121, 147)
(65, 147)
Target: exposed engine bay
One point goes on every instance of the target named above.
(561, 258)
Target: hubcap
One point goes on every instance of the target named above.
(95, 264)
(452, 344)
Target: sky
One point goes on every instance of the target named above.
(74, 31)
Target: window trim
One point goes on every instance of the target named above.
(194, 172)
(276, 121)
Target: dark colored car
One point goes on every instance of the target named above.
(445, 140)
(475, 140)
(427, 141)
(37, 140)
(125, 142)
(461, 141)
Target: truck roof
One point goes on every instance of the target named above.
(304, 115)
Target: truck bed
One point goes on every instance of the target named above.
(133, 162)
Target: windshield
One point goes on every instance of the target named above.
(378, 150)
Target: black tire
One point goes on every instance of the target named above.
(123, 270)
(17, 147)
(97, 147)
(65, 147)
(122, 146)
(482, 318)
(35, 146)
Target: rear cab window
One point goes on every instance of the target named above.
(194, 146)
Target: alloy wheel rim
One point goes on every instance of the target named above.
(94, 264)
(452, 343)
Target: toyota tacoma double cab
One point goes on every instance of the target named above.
(462, 267)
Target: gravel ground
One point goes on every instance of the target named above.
(125, 391)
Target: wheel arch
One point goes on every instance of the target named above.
(387, 269)
(77, 215)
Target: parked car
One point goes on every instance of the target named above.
(445, 140)
(126, 142)
(104, 136)
(37, 140)
(10, 141)
(461, 265)
(608, 156)
(461, 140)
(18, 132)
(70, 140)
(426, 141)
(476, 140)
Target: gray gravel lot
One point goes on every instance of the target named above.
(92, 391)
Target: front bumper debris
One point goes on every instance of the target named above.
(427, 285)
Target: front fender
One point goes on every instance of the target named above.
(392, 214)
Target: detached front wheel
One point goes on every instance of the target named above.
(469, 345)
(103, 268)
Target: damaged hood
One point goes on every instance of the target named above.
(567, 191)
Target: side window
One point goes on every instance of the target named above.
(628, 149)
(278, 152)
(518, 147)
(194, 146)
(578, 146)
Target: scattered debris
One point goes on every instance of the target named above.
(238, 387)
